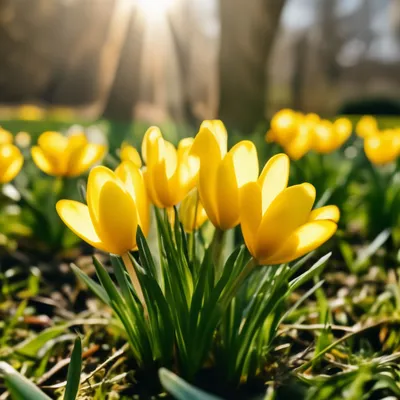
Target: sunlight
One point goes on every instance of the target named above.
(154, 8)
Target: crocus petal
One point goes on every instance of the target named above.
(152, 145)
(83, 158)
(13, 169)
(303, 240)
(98, 177)
(130, 153)
(327, 212)
(274, 179)
(42, 161)
(117, 218)
(218, 129)
(54, 145)
(76, 216)
(206, 148)
(290, 209)
(239, 167)
(133, 181)
(250, 213)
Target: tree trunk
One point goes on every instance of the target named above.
(248, 30)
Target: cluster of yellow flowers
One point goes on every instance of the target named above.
(300, 133)
(380, 146)
(205, 180)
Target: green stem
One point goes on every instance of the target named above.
(232, 290)
(217, 247)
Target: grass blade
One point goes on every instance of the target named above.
(74, 371)
(20, 387)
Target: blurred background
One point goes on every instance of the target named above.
(188, 60)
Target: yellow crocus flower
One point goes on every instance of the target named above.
(382, 148)
(170, 173)
(301, 143)
(6, 137)
(367, 126)
(30, 112)
(222, 174)
(277, 223)
(128, 152)
(330, 136)
(191, 212)
(117, 203)
(59, 155)
(11, 161)
(284, 125)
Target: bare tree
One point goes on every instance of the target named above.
(248, 30)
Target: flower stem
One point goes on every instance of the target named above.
(232, 290)
(134, 279)
(217, 247)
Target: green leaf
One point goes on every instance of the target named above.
(372, 248)
(20, 387)
(74, 371)
(180, 389)
(309, 274)
(31, 346)
(99, 291)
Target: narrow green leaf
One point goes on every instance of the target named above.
(309, 274)
(180, 389)
(32, 345)
(74, 371)
(20, 387)
(372, 248)
(91, 284)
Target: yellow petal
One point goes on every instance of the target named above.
(206, 145)
(130, 153)
(76, 216)
(240, 166)
(381, 149)
(301, 143)
(324, 137)
(42, 161)
(148, 176)
(117, 217)
(303, 240)
(133, 181)
(151, 145)
(191, 212)
(11, 161)
(98, 177)
(81, 159)
(206, 148)
(6, 137)
(54, 145)
(327, 212)
(250, 213)
(290, 209)
(218, 129)
(274, 179)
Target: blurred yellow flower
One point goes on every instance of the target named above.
(284, 125)
(6, 137)
(366, 126)
(277, 223)
(11, 161)
(191, 212)
(30, 112)
(170, 173)
(128, 152)
(59, 155)
(383, 147)
(222, 174)
(117, 203)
